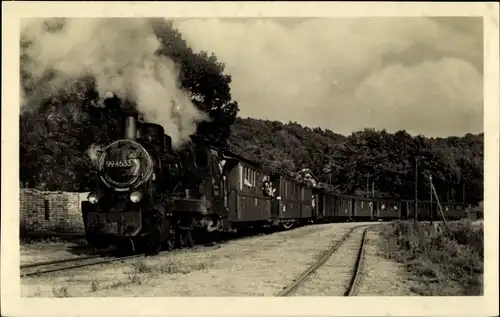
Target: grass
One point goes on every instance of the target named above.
(167, 268)
(444, 262)
(143, 272)
(51, 238)
(60, 291)
(94, 286)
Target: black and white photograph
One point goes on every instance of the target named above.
(164, 153)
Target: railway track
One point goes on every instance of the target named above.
(351, 288)
(41, 268)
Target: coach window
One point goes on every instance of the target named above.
(201, 159)
(240, 176)
(251, 179)
(245, 177)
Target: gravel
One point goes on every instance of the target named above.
(333, 278)
(380, 276)
(255, 266)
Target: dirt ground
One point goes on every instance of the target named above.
(50, 251)
(333, 278)
(255, 266)
(380, 276)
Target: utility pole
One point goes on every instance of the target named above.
(373, 189)
(367, 184)
(430, 191)
(463, 194)
(417, 160)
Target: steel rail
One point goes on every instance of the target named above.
(319, 263)
(65, 268)
(29, 265)
(351, 290)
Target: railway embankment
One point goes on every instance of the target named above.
(443, 260)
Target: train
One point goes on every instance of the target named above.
(149, 197)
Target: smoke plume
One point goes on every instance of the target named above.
(94, 152)
(120, 54)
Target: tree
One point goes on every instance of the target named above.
(203, 75)
(57, 130)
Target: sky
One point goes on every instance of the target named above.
(424, 75)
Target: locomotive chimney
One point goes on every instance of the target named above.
(130, 126)
(130, 115)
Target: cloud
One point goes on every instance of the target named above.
(338, 73)
(443, 97)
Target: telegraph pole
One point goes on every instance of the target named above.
(463, 194)
(367, 184)
(417, 159)
(430, 191)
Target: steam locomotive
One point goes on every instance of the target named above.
(149, 197)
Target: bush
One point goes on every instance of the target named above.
(448, 257)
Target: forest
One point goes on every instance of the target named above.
(384, 161)
(57, 131)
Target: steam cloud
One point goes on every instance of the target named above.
(120, 54)
(94, 152)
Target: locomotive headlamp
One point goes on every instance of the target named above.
(135, 197)
(93, 198)
(109, 95)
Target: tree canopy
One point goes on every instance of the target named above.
(385, 160)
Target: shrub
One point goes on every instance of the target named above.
(439, 254)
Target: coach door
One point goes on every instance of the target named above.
(219, 187)
(370, 205)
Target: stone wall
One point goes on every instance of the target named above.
(43, 212)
